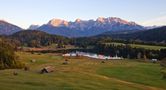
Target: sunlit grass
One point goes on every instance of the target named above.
(81, 74)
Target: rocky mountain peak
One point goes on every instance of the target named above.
(100, 19)
(78, 20)
(117, 20)
(80, 27)
(58, 22)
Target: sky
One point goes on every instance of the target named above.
(26, 12)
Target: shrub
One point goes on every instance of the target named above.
(8, 58)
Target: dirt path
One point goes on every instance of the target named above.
(145, 87)
(131, 84)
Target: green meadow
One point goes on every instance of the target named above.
(82, 74)
(151, 47)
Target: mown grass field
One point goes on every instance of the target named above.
(82, 74)
(151, 47)
(148, 46)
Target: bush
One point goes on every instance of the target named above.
(8, 58)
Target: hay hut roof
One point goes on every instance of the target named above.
(47, 69)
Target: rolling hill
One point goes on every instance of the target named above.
(151, 35)
(35, 38)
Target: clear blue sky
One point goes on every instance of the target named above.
(26, 12)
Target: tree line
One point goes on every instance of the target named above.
(99, 45)
(127, 51)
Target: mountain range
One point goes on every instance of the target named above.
(102, 27)
(84, 28)
(77, 28)
(39, 38)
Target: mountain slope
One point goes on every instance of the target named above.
(7, 28)
(81, 28)
(151, 35)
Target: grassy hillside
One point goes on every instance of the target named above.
(82, 74)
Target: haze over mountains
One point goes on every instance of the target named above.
(78, 28)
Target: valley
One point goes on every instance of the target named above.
(83, 45)
(82, 73)
(34, 60)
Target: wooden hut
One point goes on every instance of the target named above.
(33, 60)
(47, 69)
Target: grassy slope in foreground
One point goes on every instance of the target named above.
(82, 74)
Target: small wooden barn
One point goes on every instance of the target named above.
(47, 69)
(33, 60)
